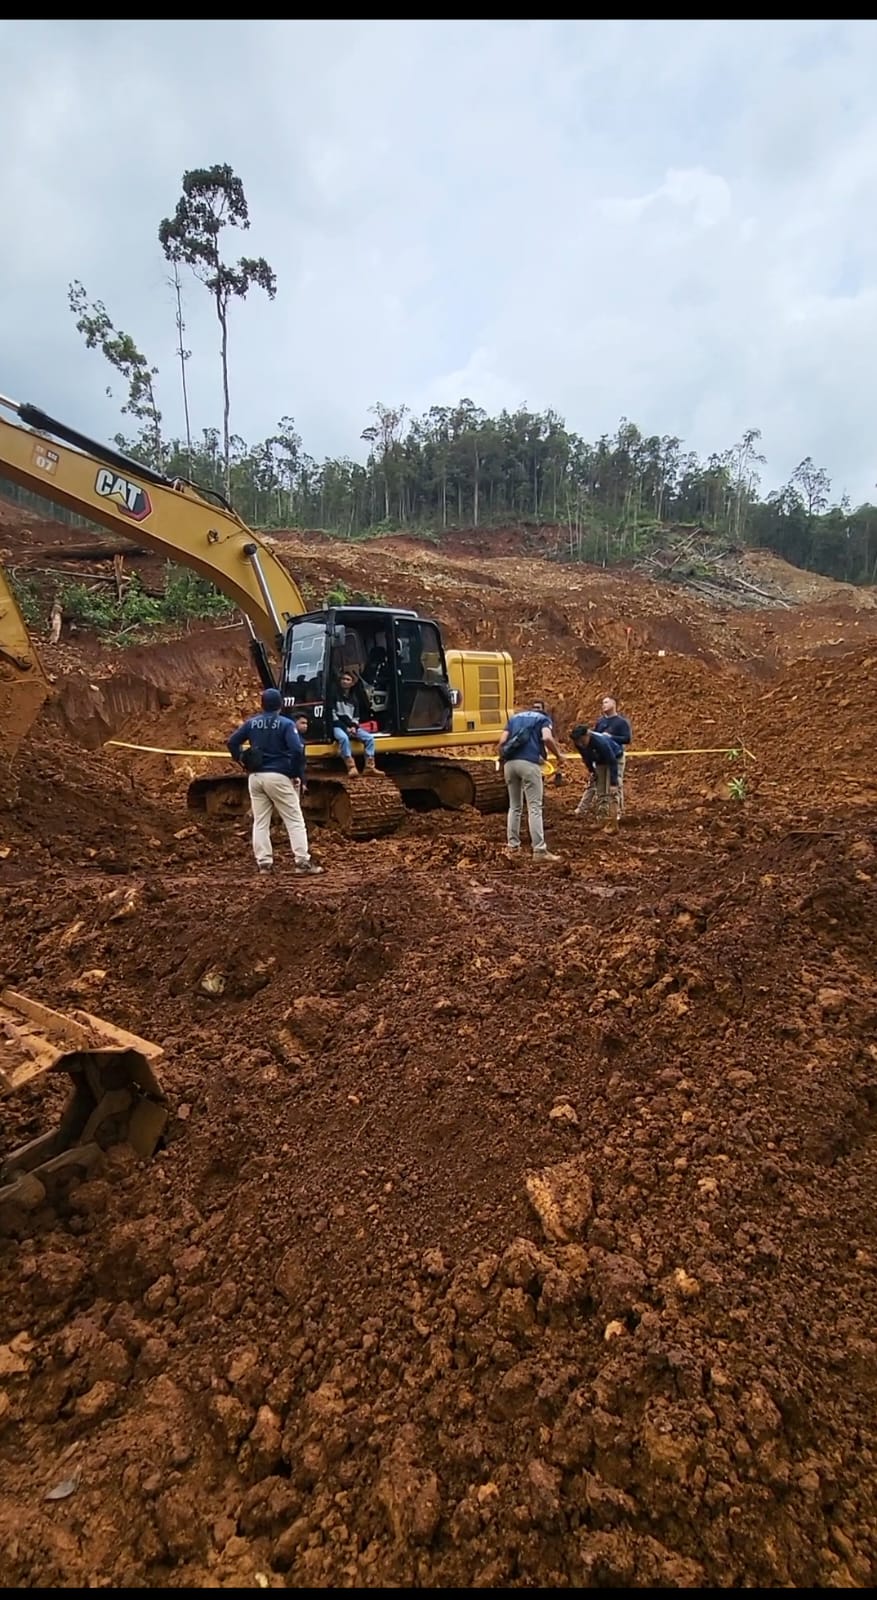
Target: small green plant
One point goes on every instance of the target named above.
(90, 608)
(188, 595)
(737, 789)
(27, 595)
(340, 595)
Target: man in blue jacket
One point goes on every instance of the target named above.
(274, 761)
(601, 754)
(618, 728)
(522, 749)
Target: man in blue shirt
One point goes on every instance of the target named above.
(618, 728)
(274, 761)
(522, 749)
(601, 755)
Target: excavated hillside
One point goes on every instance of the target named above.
(515, 1226)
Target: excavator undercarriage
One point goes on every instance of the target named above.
(114, 1095)
(373, 805)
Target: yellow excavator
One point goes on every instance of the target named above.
(432, 706)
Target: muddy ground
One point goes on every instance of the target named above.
(515, 1226)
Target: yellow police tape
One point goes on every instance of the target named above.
(156, 750)
(223, 755)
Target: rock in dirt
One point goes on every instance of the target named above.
(409, 1492)
(562, 1198)
(290, 1279)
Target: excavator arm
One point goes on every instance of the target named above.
(167, 515)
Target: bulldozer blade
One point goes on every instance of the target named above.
(115, 1094)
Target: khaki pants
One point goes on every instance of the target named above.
(524, 783)
(597, 796)
(270, 792)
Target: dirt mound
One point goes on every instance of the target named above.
(62, 804)
(484, 1285)
(808, 587)
(812, 728)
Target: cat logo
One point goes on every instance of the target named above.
(129, 497)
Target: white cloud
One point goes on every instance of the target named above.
(674, 222)
(703, 195)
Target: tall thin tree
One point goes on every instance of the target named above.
(213, 198)
(183, 354)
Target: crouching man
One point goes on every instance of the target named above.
(600, 753)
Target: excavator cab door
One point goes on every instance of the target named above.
(425, 699)
(303, 685)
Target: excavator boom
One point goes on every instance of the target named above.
(164, 514)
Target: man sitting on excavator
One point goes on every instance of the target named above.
(350, 709)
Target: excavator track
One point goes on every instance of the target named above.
(361, 808)
(451, 783)
(371, 806)
(114, 1096)
(491, 794)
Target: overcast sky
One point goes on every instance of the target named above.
(673, 222)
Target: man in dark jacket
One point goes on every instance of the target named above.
(274, 761)
(350, 709)
(600, 753)
(618, 728)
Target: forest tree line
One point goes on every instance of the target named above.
(455, 466)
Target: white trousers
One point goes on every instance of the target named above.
(270, 792)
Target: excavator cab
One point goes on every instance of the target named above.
(398, 656)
